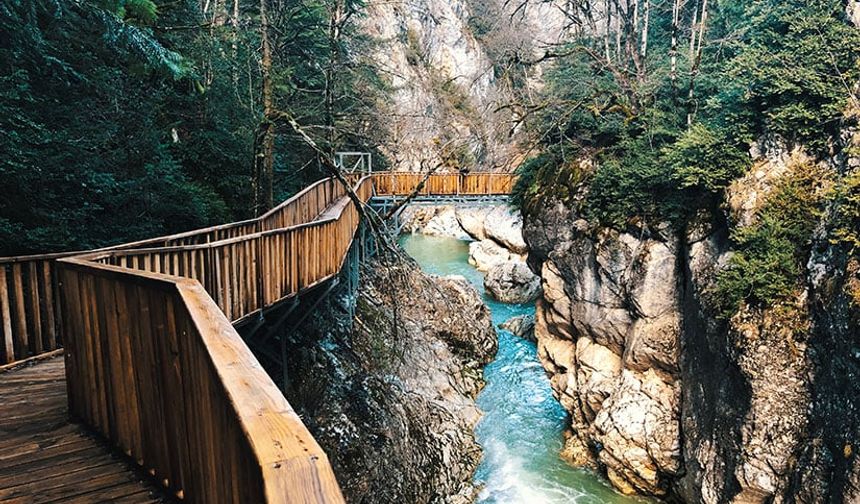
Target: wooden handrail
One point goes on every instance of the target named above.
(29, 310)
(179, 391)
(150, 354)
(154, 362)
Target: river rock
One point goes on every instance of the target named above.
(505, 225)
(512, 282)
(521, 325)
(413, 218)
(486, 254)
(390, 395)
(445, 223)
(472, 220)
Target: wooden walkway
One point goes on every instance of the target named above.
(44, 458)
(154, 363)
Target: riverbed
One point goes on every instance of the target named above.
(521, 431)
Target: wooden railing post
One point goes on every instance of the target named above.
(6, 317)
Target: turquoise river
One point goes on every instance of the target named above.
(522, 427)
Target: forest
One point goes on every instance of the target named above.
(123, 119)
(653, 122)
(127, 119)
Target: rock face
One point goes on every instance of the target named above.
(608, 331)
(473, 219)
(512, 282)
(445, 99)
(486, 254)
(445, 223)
(521, 325)
(668, 398)
(395, 410)
(505, 226)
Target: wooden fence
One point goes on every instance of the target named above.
(437, 184)
(28, 304)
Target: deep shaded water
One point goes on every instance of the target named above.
(521, 431)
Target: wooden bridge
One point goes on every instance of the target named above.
(153, 363)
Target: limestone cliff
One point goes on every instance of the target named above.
(443, 63)
(669, 397)
(390, 394)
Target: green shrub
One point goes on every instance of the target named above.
(770, 254)
(847, 221)
(705, 158)
(546, 177)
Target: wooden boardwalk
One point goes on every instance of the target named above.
(155, 365)
(45, 458)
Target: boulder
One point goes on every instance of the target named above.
(505, 225)
(639, 431)
(485, 254)
(472, 220)
(445, 223)
(522, 326)
(512, 282)
(414, 218)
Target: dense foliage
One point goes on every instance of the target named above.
(125, 119)
(767, 68)
(668, 127)
(771, 253)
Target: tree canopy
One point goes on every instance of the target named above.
(125, 119)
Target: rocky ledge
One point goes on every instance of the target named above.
(390, 394)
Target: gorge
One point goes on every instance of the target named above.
(637, 280)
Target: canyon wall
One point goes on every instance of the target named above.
(446, 65)
(667, 396)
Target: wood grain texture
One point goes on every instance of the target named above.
(44, 458)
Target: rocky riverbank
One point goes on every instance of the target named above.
(390, 394)
(669, 397)
(497, 247)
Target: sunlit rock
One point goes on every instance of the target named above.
(512, 282)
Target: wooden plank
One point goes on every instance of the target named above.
(34, 275)
(50, 314)
(6, 318)
(21, 336)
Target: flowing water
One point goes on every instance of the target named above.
(521, 431)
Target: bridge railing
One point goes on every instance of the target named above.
(196, 408)
(29, 308)
(247, 274)
(156, 367)
(155, 364)
(471, 184)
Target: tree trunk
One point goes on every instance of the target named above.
(333, 40)
(264, 151)
(673, 51)
(645, 23)
(696, 43)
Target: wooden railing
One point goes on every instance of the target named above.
(154, 362)
(154, 365)
(28, 305)
(437, 184)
